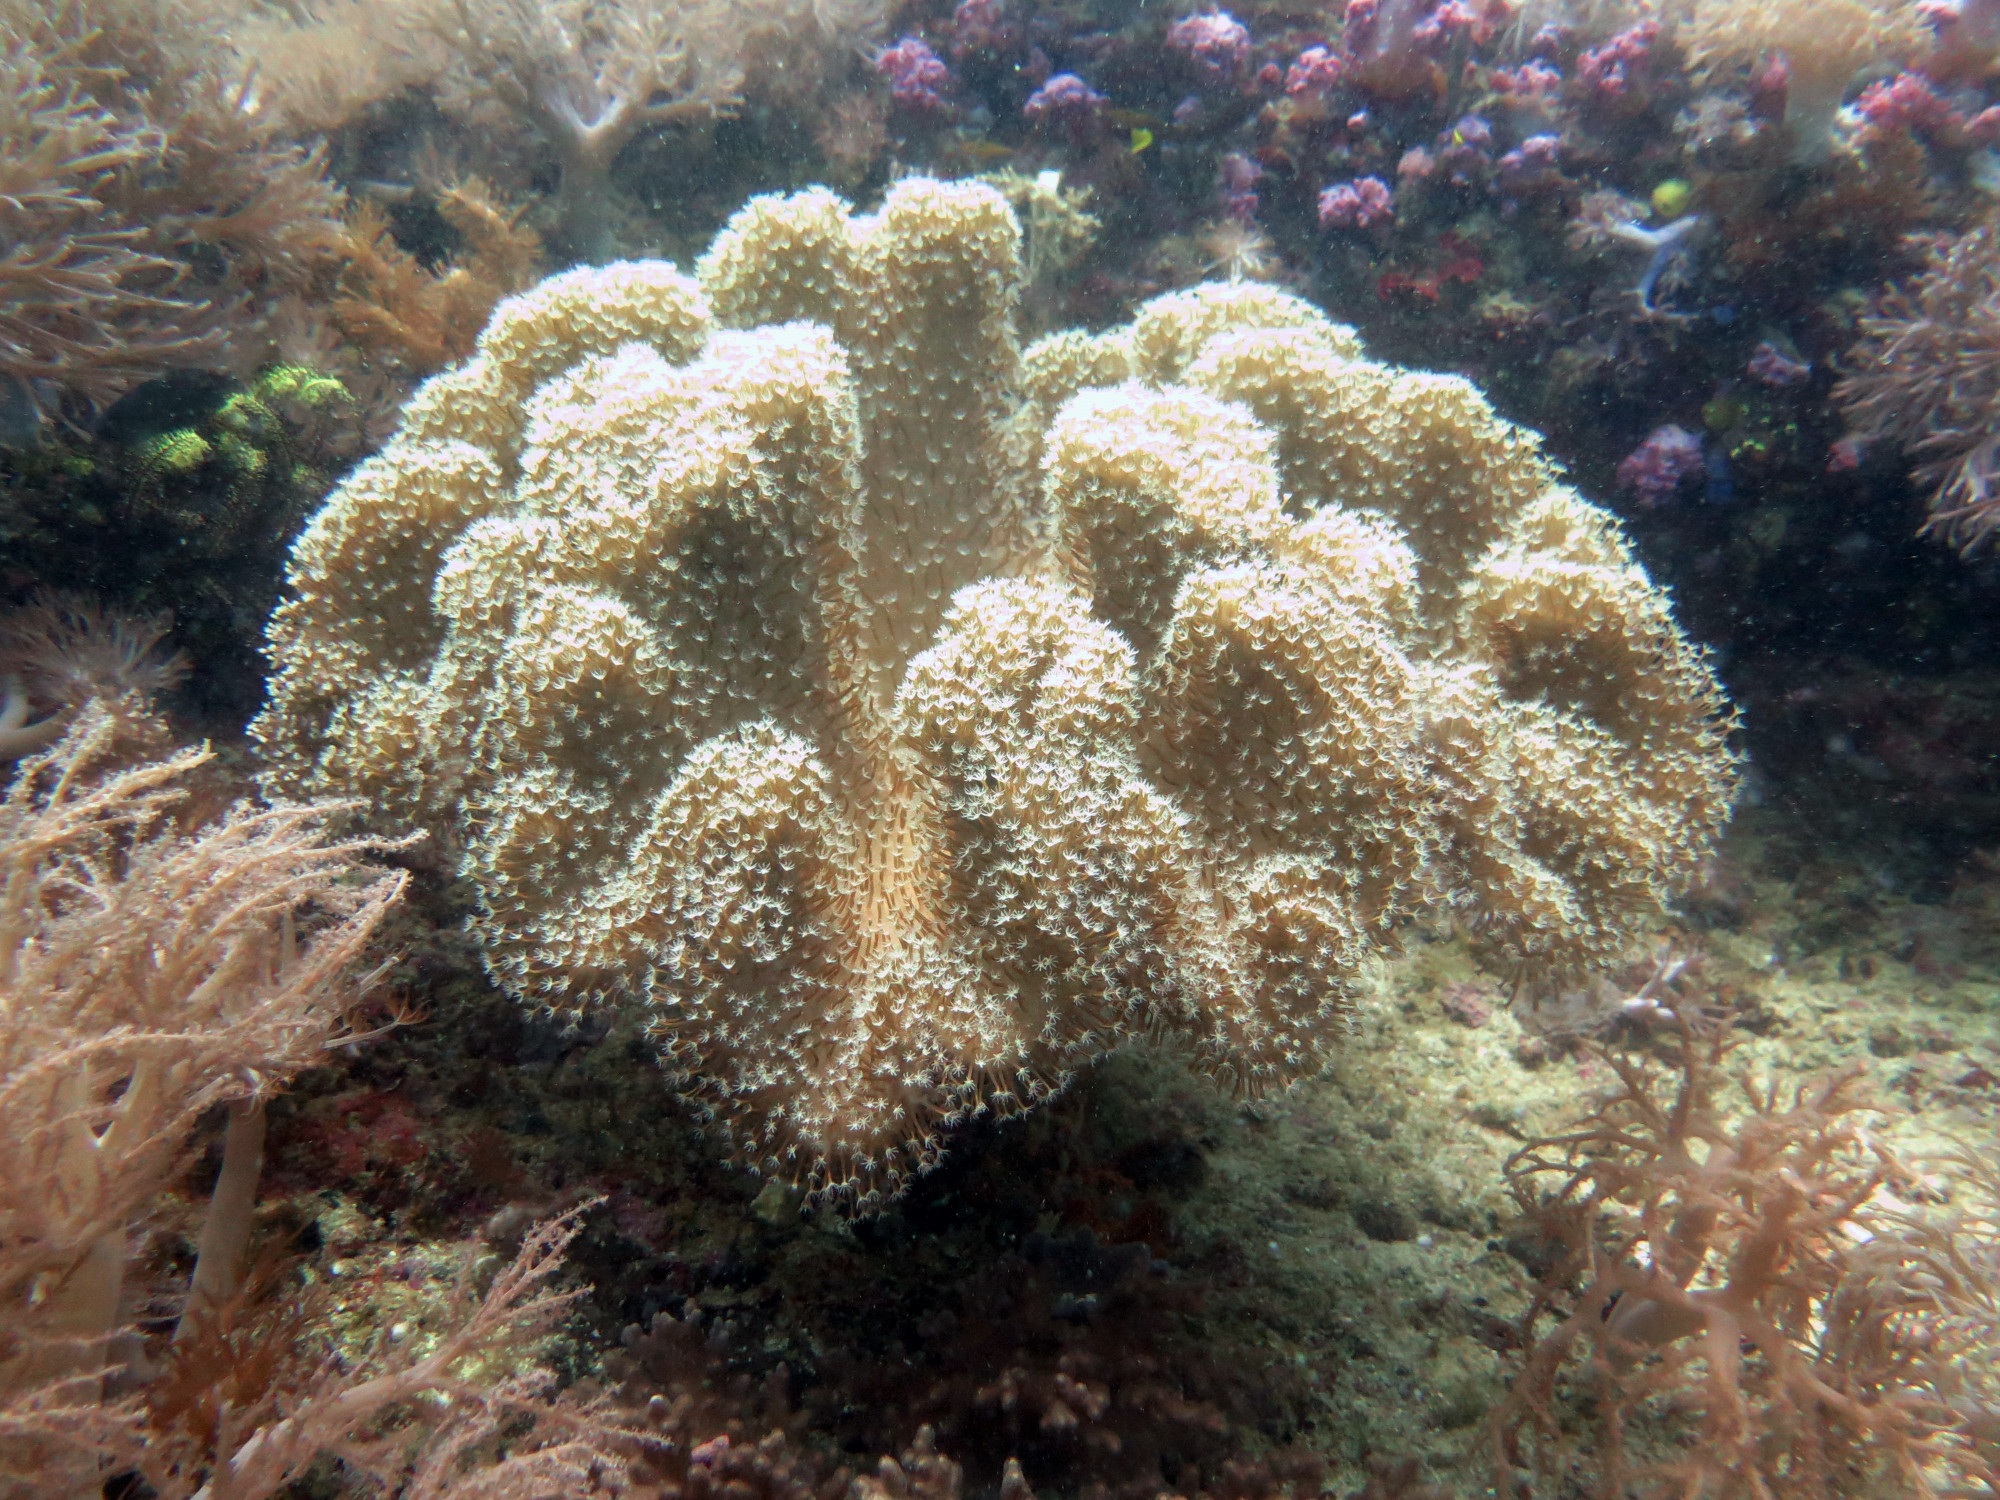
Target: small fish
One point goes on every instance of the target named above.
(1141, 139)
(1133, 119)
(983, 150)
(384, 192)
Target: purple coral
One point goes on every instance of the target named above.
(1471, 130)
(917, 76)
(979, 26)
(1552, 37)
(1383, 32)
(1355, 204)
(1772, 366)
(1653, 471)
(1064, 96)
(1535, 163)
(1607, 69)
(1534, 154)
(1532, 81)
(1315, 74)
(1214, 41)
(1478, 19)
(1239, 186)
(1462, 148)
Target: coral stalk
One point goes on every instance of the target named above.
(590, 79)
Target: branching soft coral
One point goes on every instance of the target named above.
(426, 1418)
(85, 306)
(142, 203)
(417, 321)
(1724, 1257)
(62, 652)
(591, 74)
(555, 92)
(1926, 374)
(146, 975)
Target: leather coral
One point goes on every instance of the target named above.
(895, 719)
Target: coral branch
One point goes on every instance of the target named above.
(591, 77)
(257, 1453)
(146, 975)
(1731, 1256)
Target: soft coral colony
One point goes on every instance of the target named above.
(165, 198)
(143, 203)
(895, 719)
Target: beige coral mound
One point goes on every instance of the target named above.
(898, 720)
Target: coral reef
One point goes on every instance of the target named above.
(763, 687)
(1125, 797)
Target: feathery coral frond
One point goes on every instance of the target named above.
(126, 142)
(1926, 373)
(146, 974)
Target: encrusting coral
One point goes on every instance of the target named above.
(898, 720)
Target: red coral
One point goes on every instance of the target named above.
(1461, 263)
(357, 1131)
(1608, 69)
